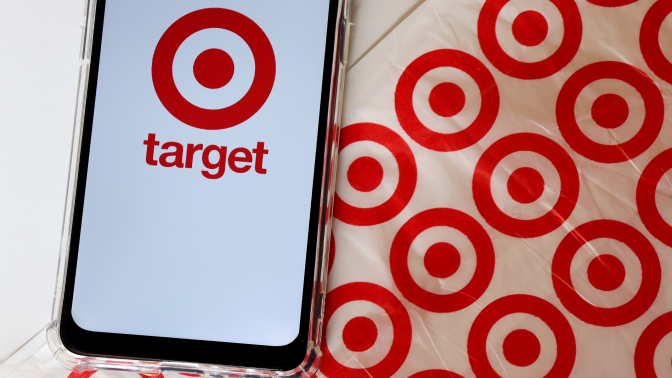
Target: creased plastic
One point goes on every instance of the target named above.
(504, 203)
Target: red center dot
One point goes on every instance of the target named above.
(359, 334)
(447, 99)
(521, 348)
(610, 111)
(213, 68)
(606, 272)
(442, 260)
(365, 174)
(525, 185)
(530, 28)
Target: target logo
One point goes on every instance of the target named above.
(649, 39)
(539, 53)
(372, 343)
(606, 272)
(372, 190)
(610, 112)
(652, 192)
(442, 260)
(462, 117)
(518, 335)
(654, 349)
(213, 69)
(526, 185)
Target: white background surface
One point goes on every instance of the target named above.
(39, 66)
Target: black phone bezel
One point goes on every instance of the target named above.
(110, 345)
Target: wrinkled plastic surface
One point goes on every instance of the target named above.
(504, 203)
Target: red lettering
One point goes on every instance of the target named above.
(234, 158)
(176, 155)
(150, 143)
(191, 150)
(240, 159)
(259, 162)
(220, 165)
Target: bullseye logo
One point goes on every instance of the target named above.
(472, 116)
(375, 342)
(528, 57)
(443, 260)
(367, 181)
(526, 185)
(606, 272)
(538, 338)
(650, 195)
(652, 355)
(611, 111)
(213, 69)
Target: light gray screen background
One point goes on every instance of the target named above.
(165, 251)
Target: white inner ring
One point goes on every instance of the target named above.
(594, 296)
(664, 197)
(500, 191)
(461, 120)
(529, 54)
(541, 330)
(664, 37)
(192, 47)
(370, 357)
(662, 357)
(416, 260)
(631, 126)
(380, 194)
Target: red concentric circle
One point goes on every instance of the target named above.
(571, 19)
(403, 100)
(526, 304)
(563, 163)
(601, 153)
(485, 260)
(436, 374)
(401, 326)
(213, 119)
(649, 40)
(646, 197)
(579, 307)
(647, 344)
(408, 175)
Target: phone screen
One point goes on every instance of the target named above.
(200, 171)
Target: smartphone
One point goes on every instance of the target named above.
(198, 213)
